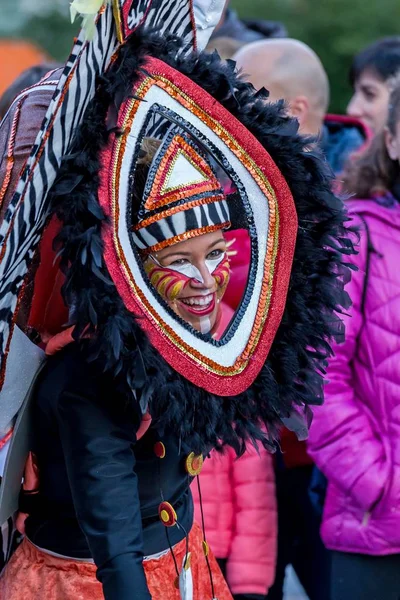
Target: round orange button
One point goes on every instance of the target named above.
(167, 514)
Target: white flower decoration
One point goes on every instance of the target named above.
(88, 10)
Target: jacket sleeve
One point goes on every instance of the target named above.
(18, 132)
(342, 441)
(97, 437)
(251, 563)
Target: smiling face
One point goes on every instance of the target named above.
(192, 277)
(370, 101)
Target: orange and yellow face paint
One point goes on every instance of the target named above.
(167, 282)
(222, 275)
(170, 283)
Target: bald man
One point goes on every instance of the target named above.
(289, 69)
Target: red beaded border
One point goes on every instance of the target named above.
(251, 153)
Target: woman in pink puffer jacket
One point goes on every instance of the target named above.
(239, 506)
(355, 436)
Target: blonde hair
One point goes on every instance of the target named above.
(147, 151)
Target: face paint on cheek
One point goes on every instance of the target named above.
(168, 283)
(188, 270)
(222, 275)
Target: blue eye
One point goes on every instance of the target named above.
(214, 254)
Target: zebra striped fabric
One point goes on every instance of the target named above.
(200, 218)
(21, 229)
(22, 226)
(23, 223)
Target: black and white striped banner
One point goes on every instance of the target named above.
(21, 229)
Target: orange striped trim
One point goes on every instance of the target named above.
(176, 209)
(186, 236)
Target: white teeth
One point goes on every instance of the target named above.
(199, 301)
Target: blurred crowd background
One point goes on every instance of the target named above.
(354, 440)
(335, 29)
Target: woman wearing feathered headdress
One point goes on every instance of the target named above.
(147, 373)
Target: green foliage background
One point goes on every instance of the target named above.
(335, 29)
(53, 32)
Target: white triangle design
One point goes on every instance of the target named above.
(183, 173)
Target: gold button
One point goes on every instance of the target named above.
(194, 464)
(167, 514)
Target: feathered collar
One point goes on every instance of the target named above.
(292, 377)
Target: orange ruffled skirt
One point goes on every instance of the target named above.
(33, 574)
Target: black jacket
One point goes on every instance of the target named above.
(99, 488)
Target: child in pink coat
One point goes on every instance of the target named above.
(239, 507)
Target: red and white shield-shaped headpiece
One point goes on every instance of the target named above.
(24, 210)
(186, 117)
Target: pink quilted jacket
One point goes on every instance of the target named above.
(355, 435)
(240, 517)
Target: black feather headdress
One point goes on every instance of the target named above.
(292, 376)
